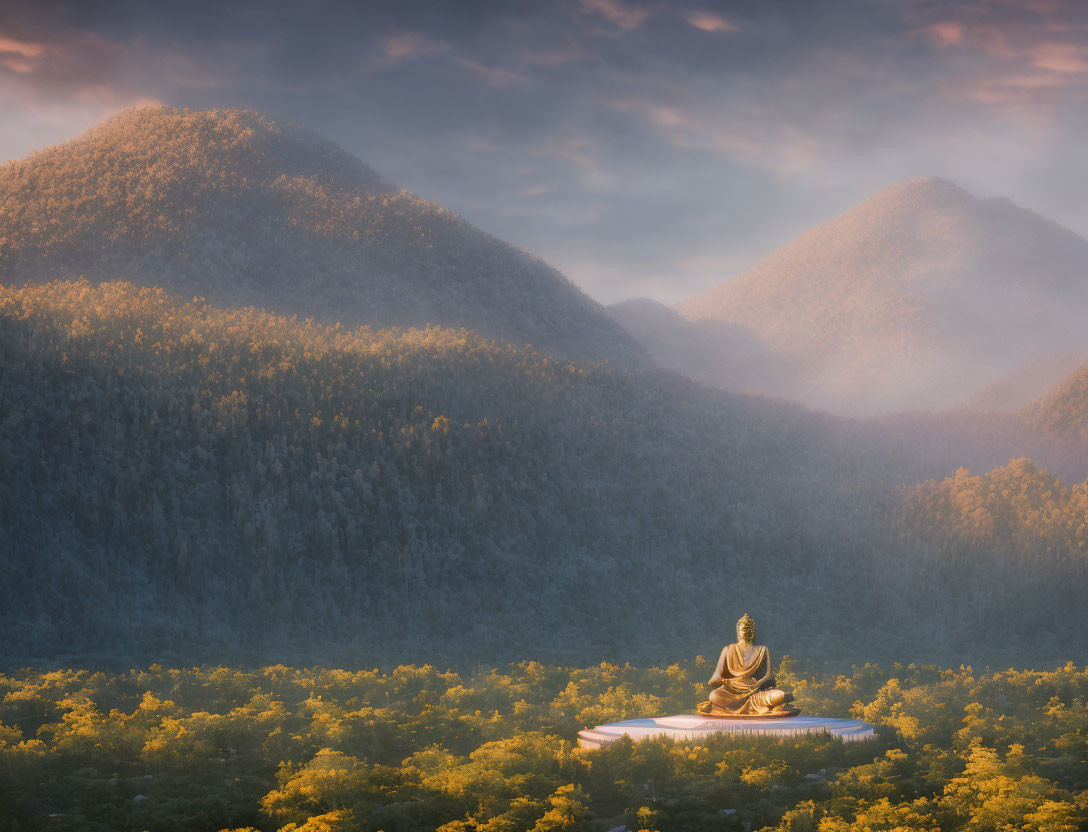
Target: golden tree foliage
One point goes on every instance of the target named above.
(412, 748)
(1017, 506)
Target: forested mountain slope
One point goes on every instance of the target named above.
(188, 481)
(1017, 524)
(1063, 411)
(1022, 386)
(198, 477)
(239, 209)
(912, 300)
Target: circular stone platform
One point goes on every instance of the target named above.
(696, 727)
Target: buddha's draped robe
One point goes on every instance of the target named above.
(740, 691)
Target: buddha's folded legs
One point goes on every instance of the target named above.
(762, 701)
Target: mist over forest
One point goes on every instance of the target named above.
(260, 405)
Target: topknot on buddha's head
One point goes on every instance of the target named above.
(746, 627)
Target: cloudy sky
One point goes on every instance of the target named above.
(645, 148)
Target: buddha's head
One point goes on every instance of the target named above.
(746, 628)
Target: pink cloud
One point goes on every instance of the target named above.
(945, 33)
(709, 22)
(780, 147)
(666, 117)
(676, 123)
(22, 48)
(669, 117)
(20, 56)
(406, 46)
(491, 75)
(60, 68)
(17, 64)
(760, 137)
(79, 77)
(1024, 59)
(1032, 97)
(537, 190)
(1060, 57)
(622, 15)
(402, 47)
(576, 148)
(1012, 89)
(570, 52)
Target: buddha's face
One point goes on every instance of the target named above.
(745, 633)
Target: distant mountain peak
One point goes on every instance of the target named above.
(910, 196)
(915, 298)
(923, 186)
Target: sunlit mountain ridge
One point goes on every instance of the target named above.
(240, 209)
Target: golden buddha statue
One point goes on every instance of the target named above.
(742, 684)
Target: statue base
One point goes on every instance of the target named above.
(699, 727)
(708, 708)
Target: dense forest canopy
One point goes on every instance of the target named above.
(1018, 508)
(418, 748)
(240, 209)
(206, 477)
(184, 480)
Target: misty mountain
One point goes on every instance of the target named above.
(1062, 413)
(916, 298)
(184, 482)
(720, 354)
(1024, 384)
(231, 206)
